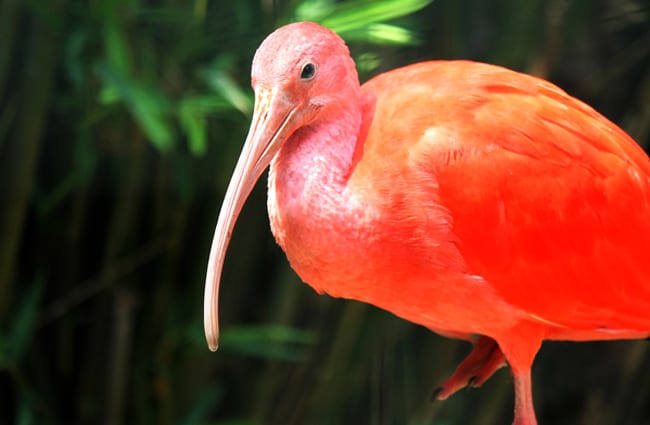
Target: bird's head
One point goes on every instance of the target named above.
(303, 68)
(299, 72)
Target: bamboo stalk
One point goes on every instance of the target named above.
(19, 165)
(123, 224)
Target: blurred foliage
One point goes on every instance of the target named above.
(120, 122)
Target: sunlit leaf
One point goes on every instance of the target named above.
(314, 10)
(193, 123)
(218, 78)
(359, 14)
(362, 20)
(117, 49)
(149, 107)
(109, 95)
(383, 34)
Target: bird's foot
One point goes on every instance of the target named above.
(485, 359)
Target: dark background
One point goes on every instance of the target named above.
(120, 123)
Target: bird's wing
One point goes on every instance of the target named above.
(549, 201)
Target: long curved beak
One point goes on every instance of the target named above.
(273, 121)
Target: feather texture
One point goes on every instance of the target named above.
(549, 200)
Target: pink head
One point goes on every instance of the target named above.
(298, 71)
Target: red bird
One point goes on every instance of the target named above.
(476, 201)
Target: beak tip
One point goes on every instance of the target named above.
(213, 344)
(212, 336)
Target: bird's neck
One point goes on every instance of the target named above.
(318, 158)
(308, 176)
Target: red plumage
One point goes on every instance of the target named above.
(479, 202)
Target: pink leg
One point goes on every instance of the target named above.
(524, 409)
(485, 359)
(520, 345)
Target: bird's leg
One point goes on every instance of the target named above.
(486, 357)
(520, 347)
(524, 410)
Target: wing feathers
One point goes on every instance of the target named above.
(549, 200)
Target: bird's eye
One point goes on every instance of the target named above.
(308, 71)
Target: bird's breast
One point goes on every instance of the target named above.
(321, 227)
(375, 245)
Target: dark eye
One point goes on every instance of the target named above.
(308, 71)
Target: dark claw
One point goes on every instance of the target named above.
(472, 381)
(436, 393)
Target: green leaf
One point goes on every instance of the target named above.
(367, 61)
(278, 342)
(313, 10)
(192, 113)
(363, 20)
(383, 34)
(117, 49)
(147, 105)
(219, 80)
(193, 123)
(15, 340)
(73, 62)
(359, 14)
(265, 341)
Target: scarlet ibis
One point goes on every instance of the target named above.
(477, 201)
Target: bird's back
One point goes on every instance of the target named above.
(548, 200)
